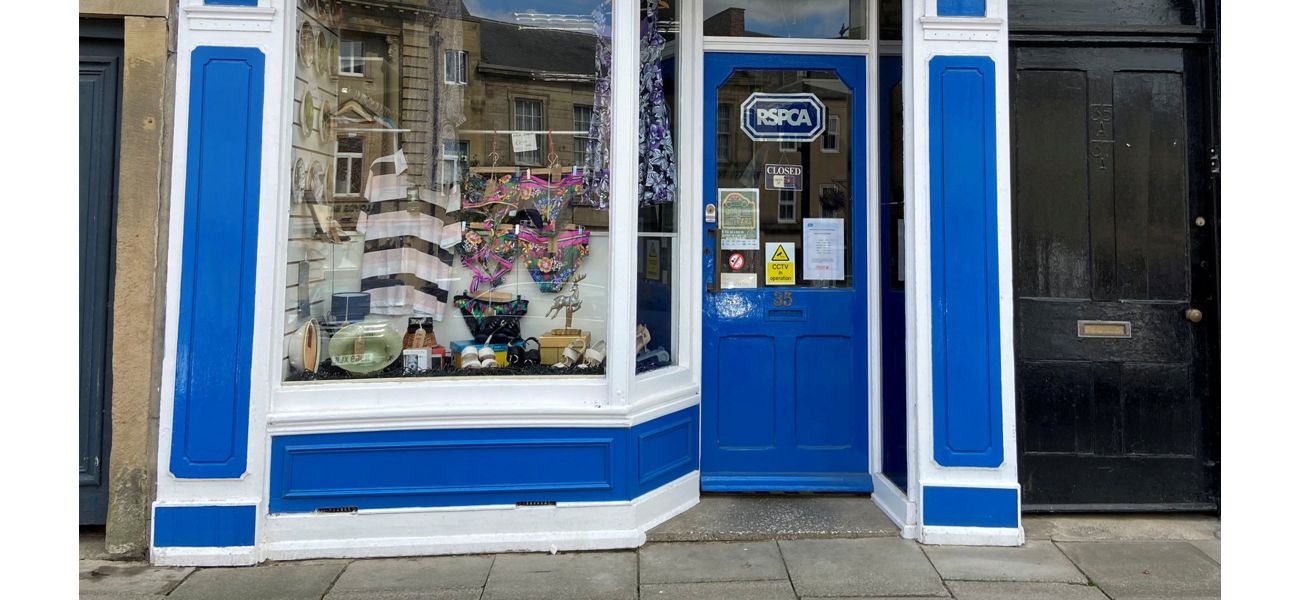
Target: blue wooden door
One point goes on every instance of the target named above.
(785, 365)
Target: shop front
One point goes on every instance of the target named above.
(457, 276)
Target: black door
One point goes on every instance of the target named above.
(1115, 267)
(100, 90)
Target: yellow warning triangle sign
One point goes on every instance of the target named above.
(780, 255)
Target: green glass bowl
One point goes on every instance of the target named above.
(380, 346)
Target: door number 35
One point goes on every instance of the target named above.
(782, 299)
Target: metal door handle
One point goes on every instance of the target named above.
(1193, 314)
(715, 286)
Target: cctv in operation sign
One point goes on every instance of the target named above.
(797, 117)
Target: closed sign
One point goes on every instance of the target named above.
(797, 117)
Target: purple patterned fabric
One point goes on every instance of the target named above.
(658, 168)
(595, 171)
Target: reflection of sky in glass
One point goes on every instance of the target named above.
(504, 10)
(819, 19)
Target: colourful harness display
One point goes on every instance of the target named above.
(488, 255)
(554, 257)
(550, 198)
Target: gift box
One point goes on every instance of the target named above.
(553, 344)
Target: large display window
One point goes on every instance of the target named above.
(449, 204)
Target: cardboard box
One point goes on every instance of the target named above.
(553, 345)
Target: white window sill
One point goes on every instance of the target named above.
(961, 29)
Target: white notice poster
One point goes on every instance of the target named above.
(523, 142)
(823, 249)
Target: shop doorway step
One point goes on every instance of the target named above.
(752, 517)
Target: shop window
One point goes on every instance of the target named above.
(352, 58)
(824, 19)
(425, 237)
(831, 138)
(785, 207)
(528, 121)
(658, 241)
(456, 67)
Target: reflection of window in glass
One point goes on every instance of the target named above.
(831, 139)
(785, 206)
(347, 167)
(581, 122)
(455, 161)
(823, 19)
(528, 117)
(352, 57)
(724, 132)
(455, 67)
(831, 195)
(787, 146)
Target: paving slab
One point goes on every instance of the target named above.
(861, 567)
(275, 581)
(1094, 528)
(1211, 548)
(1037, 560)
(719, 590)
(583, 576)
(1126, 570)
(1018, 590)
(710, 561)
(128, 579)
(775, 517)
(396, 578)
(91, 544)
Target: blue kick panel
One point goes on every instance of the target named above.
(964, 263)
(961, 8)
(970, 507)
(231, 2)
(218, 267)
(463, 467)
(204, 526)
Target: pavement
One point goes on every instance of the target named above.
(743, 547)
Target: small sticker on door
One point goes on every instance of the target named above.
(736, 261)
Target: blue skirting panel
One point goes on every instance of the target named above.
(964, 263)
(205, 526)
(970, 507)
(961, 8)
(462, 467)
(214, 340)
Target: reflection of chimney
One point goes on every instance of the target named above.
(730, 22)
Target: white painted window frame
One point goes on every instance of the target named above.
(832, 133)
(454, 402)
(455, 67)
(358, 60)
(787, 199)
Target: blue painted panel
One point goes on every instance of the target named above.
(204, 526)
(970, 507)
(231, 2)
(218, 266)
(463, 467)
(964, 263)
(961, 8)
(665, 449)
(757, 431)
(893, 309)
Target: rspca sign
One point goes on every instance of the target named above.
(783, 117)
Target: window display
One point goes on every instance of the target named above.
(448, 210)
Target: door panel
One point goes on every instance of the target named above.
(1106, 142)
(100, 91)
(785, 390)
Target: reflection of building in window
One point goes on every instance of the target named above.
(528, 117)
(581, 122)
(348, 167)
(831, 139)
(788, 146)
(456, 67)
(724, 132)
(351, 57)
(785, 206)
(455, 161)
